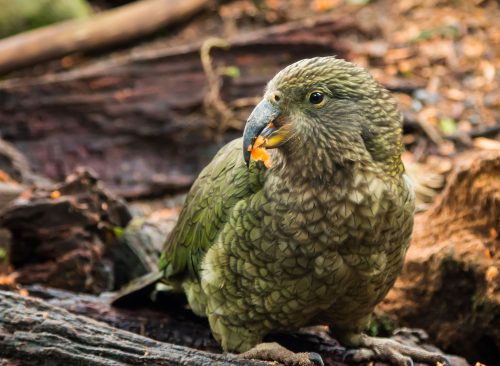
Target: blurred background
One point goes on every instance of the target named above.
(110, 108)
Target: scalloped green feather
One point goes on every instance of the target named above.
(219, 187)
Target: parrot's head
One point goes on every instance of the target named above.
(325, 111)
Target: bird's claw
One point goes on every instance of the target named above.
(388, 350)
(275, 352)
(349, 354)
(316, 359)
(366, 355)
(338, 351)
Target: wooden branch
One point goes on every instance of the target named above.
(173, 323)
(169, 321)
(108, 28)
(37, 333)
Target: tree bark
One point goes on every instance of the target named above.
(450, 283)
(65, 328)
(63, 235)
(37, 333)
(107, 28)
(166, 320)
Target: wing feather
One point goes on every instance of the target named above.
(218, 188)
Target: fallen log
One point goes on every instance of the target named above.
(166, 321)
(173, 323)
(114, 26)
(34, 332)
(139, 121)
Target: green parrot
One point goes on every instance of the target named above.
(319, 237)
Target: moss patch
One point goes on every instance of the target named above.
(22, 15)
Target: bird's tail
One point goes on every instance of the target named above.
(137, 289)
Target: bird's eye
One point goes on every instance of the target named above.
(316, 97)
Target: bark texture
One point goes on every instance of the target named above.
(58, 329)
(63, 235)
(141, 121)
(450, 284)
(37, 333)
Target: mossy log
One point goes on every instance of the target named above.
(105, 29)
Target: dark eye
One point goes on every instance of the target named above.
(316, 97)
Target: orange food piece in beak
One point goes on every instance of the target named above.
(259, 153)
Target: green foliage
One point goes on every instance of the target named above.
(447, 31)
(3, 254)
(118, 231)
(448, 126)
(231, 71)
(21, 15)
(381, 326)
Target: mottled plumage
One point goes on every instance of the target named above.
(318, 238)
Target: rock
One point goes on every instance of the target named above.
(450, 284)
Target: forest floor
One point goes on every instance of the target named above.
(440, 58)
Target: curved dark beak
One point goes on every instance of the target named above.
(262, 115)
